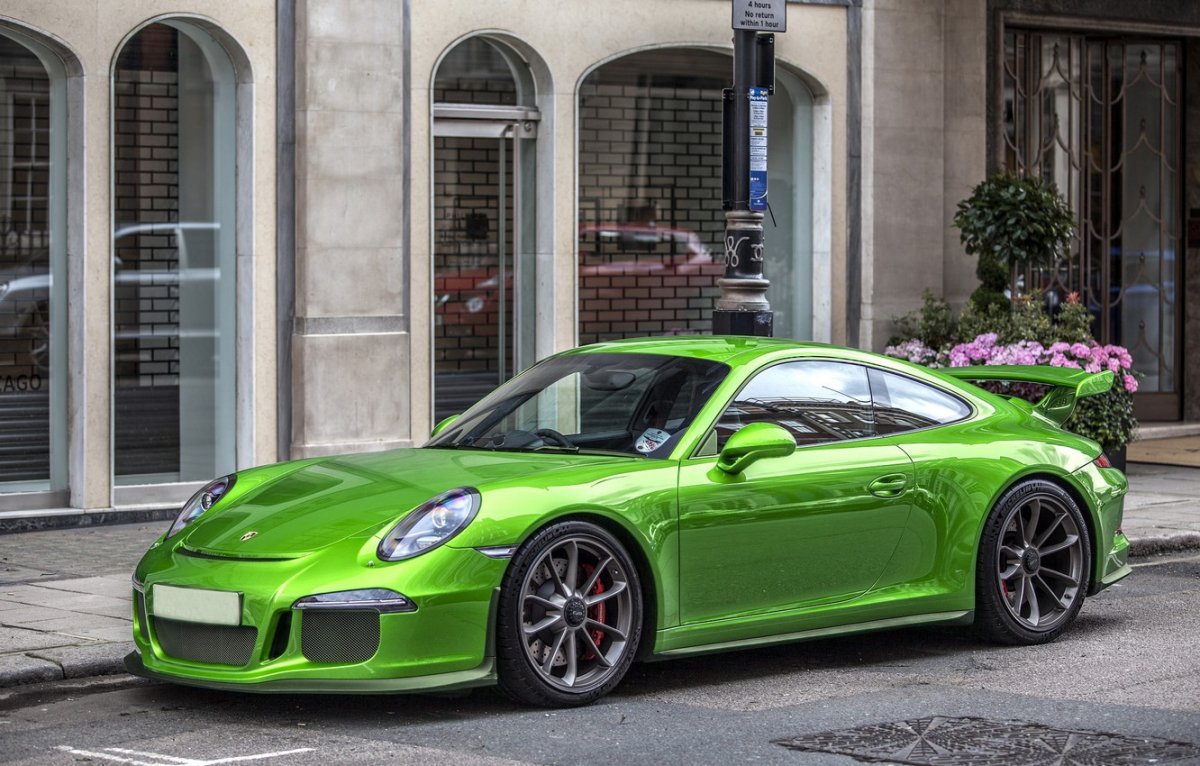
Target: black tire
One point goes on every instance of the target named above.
(1034, 565)
(588, 640)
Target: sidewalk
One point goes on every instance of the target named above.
(65, 593)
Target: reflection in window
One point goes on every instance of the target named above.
(902, 404)
(174, 265)
(32, 247)
(638, 404)
(651, 227)
(484, 224)
(815, 401)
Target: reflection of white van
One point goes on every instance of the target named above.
(25, 300)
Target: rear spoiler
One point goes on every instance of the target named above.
(1067, 385)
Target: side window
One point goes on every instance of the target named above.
(817, 401)
(902, 404)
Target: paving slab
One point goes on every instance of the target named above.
(113, 587)
(19, 574)
(77, 624)
(14, 640)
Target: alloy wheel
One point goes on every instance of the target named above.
(576, 613)
(1039, 562)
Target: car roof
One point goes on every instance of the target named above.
(717, 348)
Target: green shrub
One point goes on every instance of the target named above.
(1011, 222)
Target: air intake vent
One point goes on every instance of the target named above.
(214, 644)
(139, 603)
(337, 636)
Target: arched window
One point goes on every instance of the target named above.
(484, 126)
(174, 264)
(651, 226)
(32, 266)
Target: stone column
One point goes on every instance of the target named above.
(351, 333)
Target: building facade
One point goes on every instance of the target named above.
(239, 232)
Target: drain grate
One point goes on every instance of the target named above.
(941, 741)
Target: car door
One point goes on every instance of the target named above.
(816, 527)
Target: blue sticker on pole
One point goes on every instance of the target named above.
(758, 148)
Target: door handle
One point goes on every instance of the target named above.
(888, 486)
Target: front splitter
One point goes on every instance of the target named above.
(483, 675)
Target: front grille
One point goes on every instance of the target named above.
(214, 644)
(339, 636)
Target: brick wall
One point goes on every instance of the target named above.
(468, 201)
(466, 255)
(146, 291)
(650, 208)
(146, 147)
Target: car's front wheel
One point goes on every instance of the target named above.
(570, 616)
(1034, 564)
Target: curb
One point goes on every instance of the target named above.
(42, 666)
(45, 521)
(44, 693)
(1153, 546)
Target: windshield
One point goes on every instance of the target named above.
(632, 404)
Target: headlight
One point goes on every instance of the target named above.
(201, 501)
(430, 524)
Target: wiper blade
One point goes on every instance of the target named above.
(611, 453)
(556, 448)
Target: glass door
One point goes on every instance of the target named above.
(1101, 118)
(482, 260)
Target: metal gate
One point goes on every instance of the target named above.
(1100, 116)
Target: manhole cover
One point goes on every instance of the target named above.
(982, 742)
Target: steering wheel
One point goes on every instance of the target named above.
(549, 434)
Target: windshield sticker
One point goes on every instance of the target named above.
(651, 440)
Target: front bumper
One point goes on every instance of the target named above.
(445, 643)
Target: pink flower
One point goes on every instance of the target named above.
(1081, 350)
(1131, 384)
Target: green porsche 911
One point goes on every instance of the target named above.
(644, 498)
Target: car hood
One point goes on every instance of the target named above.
(297, 508)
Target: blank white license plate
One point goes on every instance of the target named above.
(215, 607)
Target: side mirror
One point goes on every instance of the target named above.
(753, 443)
(441, 426)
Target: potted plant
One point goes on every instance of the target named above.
(1026, 334)
(1011, 222)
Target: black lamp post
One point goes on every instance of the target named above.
(742, 308)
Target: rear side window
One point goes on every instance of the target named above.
(816, 401)
(904, 404)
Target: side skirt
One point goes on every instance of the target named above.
(953, 618)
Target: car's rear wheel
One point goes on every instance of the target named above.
(570, 616)
(1034, 565)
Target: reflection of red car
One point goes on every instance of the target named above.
(634, 279)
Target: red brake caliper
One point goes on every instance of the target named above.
(596, 612)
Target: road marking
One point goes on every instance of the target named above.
(188, 761)
(255, 757)
(111, 754)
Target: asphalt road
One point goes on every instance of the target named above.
(1130, 669)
